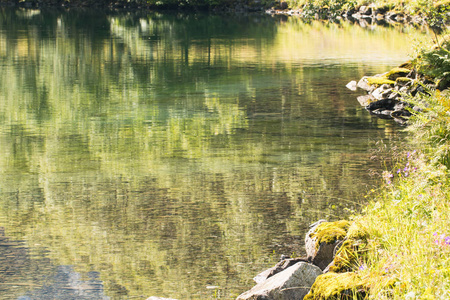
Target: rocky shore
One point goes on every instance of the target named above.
(363, 15)
(330, 268)
(390, 95)
(386, 93)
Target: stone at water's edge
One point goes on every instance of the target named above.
(325, 254)
(322, 256)
(365, 100)
(292, 283)
(310, 243)
(352, 85)
(362, 84)
(279, 267)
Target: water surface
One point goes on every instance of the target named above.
(176, 155)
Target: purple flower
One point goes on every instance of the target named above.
(398, 171)
(447, 240)
(361, 268)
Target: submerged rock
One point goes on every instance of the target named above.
(292, 283)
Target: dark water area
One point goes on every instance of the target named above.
(177, 155)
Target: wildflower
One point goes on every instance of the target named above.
(447, 240)
(361, 268)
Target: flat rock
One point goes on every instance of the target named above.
(292, 283)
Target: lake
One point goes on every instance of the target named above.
(177, 155)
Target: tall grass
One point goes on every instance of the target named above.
(408, 219)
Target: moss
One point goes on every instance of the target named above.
(397, 72)
(403, 80)
(357, 231)
(329, 232)
(352, 252)
(334, 286)
(407, 65)
(379, 80)
(346, 259)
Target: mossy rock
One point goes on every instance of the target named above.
(380, 80)
(346, 258)
(397, 72)
(407, 65)
(338, 286)
(403, 80)
(330, 232)
(357, 231)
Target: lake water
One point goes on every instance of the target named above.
(177, 155)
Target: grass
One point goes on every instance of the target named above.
(408, 219)
(399, 246)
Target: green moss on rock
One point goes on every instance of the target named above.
(357, 231)
(337, 286)
(346, 259)
(329, 232)
(352, 252)
(397, 72)
(380, 80)
(403, 80)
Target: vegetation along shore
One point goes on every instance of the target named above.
(399, 246)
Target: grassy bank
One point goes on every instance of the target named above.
(399, 247)
(408, 220)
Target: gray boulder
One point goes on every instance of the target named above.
(279, 267)
(292, 283)
(363, 84)
(323, 255)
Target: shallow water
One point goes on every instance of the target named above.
(176, 155)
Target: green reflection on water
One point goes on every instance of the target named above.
(170, 152)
